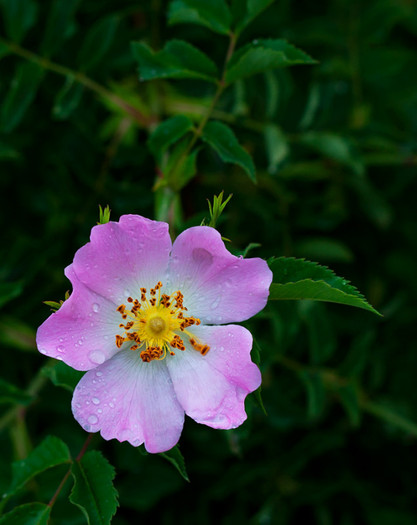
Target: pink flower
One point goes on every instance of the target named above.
(148, 320)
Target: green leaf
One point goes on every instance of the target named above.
(263, 55)
(67, 99)
(12, 394)
(19, 17)
(316, 392)
(169, 132)
(178, 59)
(9, 291)
(97, 42)
(63, 375)
(93, 490)
(277, 148)
(222, 139)
(50, 453)
(59, 27)
(300, 279)
(175, 457)
(246, 10)
(214, 14)
(4, 50)
(28, 514)
(21, 94)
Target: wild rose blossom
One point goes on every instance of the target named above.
(148, 321)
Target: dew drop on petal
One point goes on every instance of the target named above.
(60, 348)
(96, 307)
(99, 411)
(111, 405)
(92, 419)
(95, 400)
(99, 374)
(80, 341)
(97, 357)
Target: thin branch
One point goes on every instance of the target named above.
(45, 63)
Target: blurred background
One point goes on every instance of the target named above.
(335, 149)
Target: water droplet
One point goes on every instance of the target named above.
(80, 341)
(92, 419)
(111, 405)
(136, 442)
(221, 349)
(96, 307)
(95, 400)
(61, 340)
(97, 357)
(60, 348)
(77, 405)
(99, 374)
(99, 411)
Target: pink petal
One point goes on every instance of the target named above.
(217, 286)
(82, 332)
(212, 388)
(124, 256)
(129, 400)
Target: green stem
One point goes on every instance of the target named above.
(100, 90)
(389, 416)
(221, 86)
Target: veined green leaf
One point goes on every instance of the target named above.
(93, 490)
(222, 139)
(10, 393)
(214, 14)
(21, 94)
(63, 375)
(28, 514)
(50, 453)
(300, 279)
(67, 99)
(97, 42)
(263, 55)
(19, 17)
(178, 59)
(175, 457)
(169, 132)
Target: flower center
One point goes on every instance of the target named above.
(157, 325)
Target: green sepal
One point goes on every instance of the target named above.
(175, 457)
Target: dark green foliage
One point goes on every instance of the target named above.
(333, 140)
(93, 490)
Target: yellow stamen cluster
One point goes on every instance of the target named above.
(154, 324)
